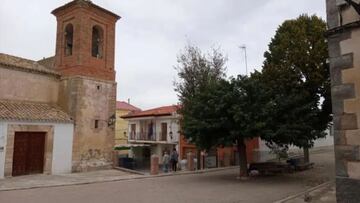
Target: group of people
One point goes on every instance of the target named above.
(171, 159)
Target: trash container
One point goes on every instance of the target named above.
(127, 162)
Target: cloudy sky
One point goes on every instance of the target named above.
(150, 35)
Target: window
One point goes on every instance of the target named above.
(97, 42)
(96, 124)
(98, 87)
(69, 38)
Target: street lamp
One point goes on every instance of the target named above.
(112, 120)
(243, 47)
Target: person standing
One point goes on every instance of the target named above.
(165, 162)
(174, 160)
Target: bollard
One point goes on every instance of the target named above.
(202, 160)
(115, 157)
(227, 160)
(154, 168)
(190, 161)
(183, 164)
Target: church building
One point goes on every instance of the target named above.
(57, 115)
(343, 35)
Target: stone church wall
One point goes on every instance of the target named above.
(89, 101)
(344, 51)
(27, 86)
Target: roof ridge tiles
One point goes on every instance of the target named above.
(32, 111)
(25, 64)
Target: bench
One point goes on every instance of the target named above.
(298, 163)
(304, 166)
(267, 168)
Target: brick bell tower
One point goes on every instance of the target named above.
(85, 45)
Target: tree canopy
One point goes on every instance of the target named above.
(199, 75)
(287, 103)
(296, 78)
(216, 111)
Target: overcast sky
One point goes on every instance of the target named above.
(150, 35)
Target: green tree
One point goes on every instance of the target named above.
(216, 111)
(198, 73)
(243, 105)
(224, 113)
(296, 79)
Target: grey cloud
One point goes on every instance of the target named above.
(151, 33)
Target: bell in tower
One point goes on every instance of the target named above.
(85, 40)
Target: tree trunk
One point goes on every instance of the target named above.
(242, 158)
(306, 155)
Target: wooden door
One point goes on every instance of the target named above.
(35, 163)
(20, 154)
(28, 157)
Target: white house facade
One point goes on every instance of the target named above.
(151, 132)
(263, 153)
(34, 138)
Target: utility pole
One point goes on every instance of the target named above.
(243, 47)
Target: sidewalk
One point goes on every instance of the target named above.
(324, 193)
(39, 181)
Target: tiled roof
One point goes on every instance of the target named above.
(24, 64)
(126, 106)
(31, 111)
(161, 111)
(86, 2)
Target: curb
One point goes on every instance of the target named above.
(194, 172)
(126, 178)
(129, 170)
(323, 185)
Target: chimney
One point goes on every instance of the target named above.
(128, 100)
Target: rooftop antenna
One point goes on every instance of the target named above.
(243, 47)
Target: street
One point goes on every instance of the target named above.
(220, 186)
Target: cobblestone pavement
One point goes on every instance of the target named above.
(220, 186)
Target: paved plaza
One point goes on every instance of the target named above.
(37, 181)
(217, 186)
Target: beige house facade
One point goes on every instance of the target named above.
(121, 129)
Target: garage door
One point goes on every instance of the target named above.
(28, 157)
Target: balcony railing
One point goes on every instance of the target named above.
(162, 136)
(143, 136)
(146, 136)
